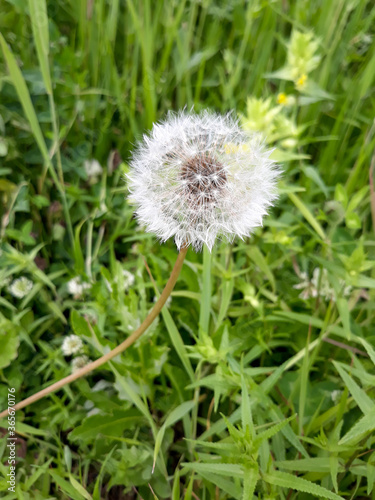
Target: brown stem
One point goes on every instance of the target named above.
(117, 350)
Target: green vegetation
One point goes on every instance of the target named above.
(258, 377)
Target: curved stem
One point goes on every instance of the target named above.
(117, 350)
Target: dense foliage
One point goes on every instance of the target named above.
(258, 378)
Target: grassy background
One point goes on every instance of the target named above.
(82, 80)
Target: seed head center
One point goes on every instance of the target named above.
(203, 178)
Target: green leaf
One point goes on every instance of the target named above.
(272, 431)
(361, 398)
(285, 480)
(370, 350)
(9, 342)
(24, 97)
(79, 488)
(257, 257)
(39, 23)
(111, 425)
(79, 324)
(307, 215)
(247, 418)
(175, 415)
(365, 425)
(231, 470)
(250, 482)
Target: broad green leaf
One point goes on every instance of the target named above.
(111, 425)
(285, 480)
(9, 341)
(79, 324)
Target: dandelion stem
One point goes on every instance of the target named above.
(117, 350)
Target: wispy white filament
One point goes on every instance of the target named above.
(198, 177)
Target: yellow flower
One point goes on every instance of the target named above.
(282, 98)
(301, 81)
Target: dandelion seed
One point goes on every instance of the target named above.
(199, 177)
(71, 345)
(20, 287)
(79, 362)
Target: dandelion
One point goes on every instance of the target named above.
(76, 286)
(79, 362)
(200, 177)
(92, 168)
(71, 345)
(20, 287)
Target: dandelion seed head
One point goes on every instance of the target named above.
(199, 177)
(20, 287)
(71, 345)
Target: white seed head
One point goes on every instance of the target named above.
(20, 287)
(199, 177)
(71, 345)
(79, 362)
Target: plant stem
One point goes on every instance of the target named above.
(117, 350)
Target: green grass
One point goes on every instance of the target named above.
(242, 387)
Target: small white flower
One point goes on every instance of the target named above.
(319, 285)
(128, 279)
(336, 396)
(21, 287)
(79, 362)
(76, 286)
(71, 345)
(198, 177)
(92, 168)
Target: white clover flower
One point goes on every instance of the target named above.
(20, 287)
(79, 362)
(198, 177)
(76, 286)
(92, 168)
(71, 345)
